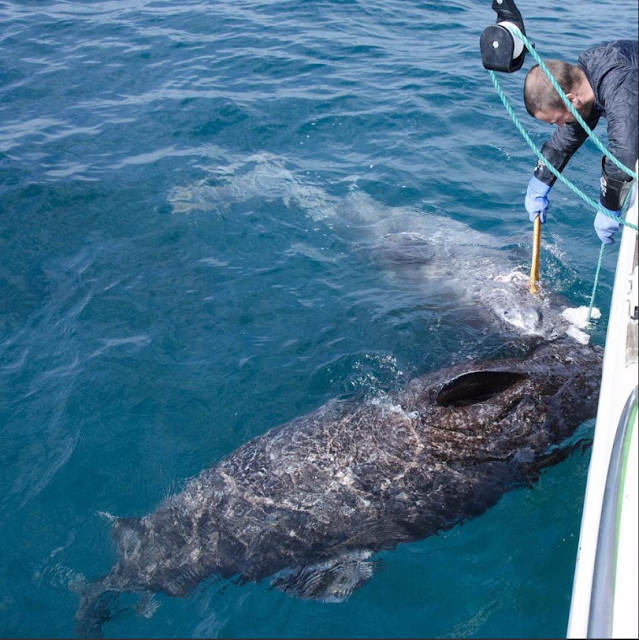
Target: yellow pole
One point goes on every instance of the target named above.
(534, 269)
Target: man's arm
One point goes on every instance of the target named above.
(561, 147)
(621, 114)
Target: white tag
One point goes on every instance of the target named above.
(578, 317)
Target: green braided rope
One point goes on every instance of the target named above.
(567, 182)
(572, 110)
(624, 207)
(596, 283)
(557, 174)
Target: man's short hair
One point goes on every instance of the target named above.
(539, 94)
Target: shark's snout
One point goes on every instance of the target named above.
(529, 320)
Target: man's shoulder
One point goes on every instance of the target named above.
(608, 65)
(608, 53)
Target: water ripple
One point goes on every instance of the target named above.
(195, 203)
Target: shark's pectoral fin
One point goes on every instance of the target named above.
(147, 605)
(96, 607)
(330, 581)
(531, 470)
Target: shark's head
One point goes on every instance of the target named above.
(514, 307)
(527, 319)
(515, 404)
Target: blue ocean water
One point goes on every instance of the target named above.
(182, 267)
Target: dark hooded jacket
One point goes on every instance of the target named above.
(611, 69)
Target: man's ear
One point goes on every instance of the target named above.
(575, 100)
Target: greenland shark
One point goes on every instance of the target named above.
(438, 257)
(446, 258)
(307, 504)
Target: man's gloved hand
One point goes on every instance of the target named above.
(536, 200)
(607, 227)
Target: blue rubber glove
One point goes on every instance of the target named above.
(607, 227)
(536, 200)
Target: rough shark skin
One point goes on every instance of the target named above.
(307, 503)
(489, 280)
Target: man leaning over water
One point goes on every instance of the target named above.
(603, 84)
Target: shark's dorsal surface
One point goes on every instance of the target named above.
(307, 504)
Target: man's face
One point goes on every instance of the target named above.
(555, 116)
(560, 117)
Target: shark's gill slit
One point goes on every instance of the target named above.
(475, 387)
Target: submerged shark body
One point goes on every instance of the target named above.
(451, 261)
(308, 503)
(442, 261)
